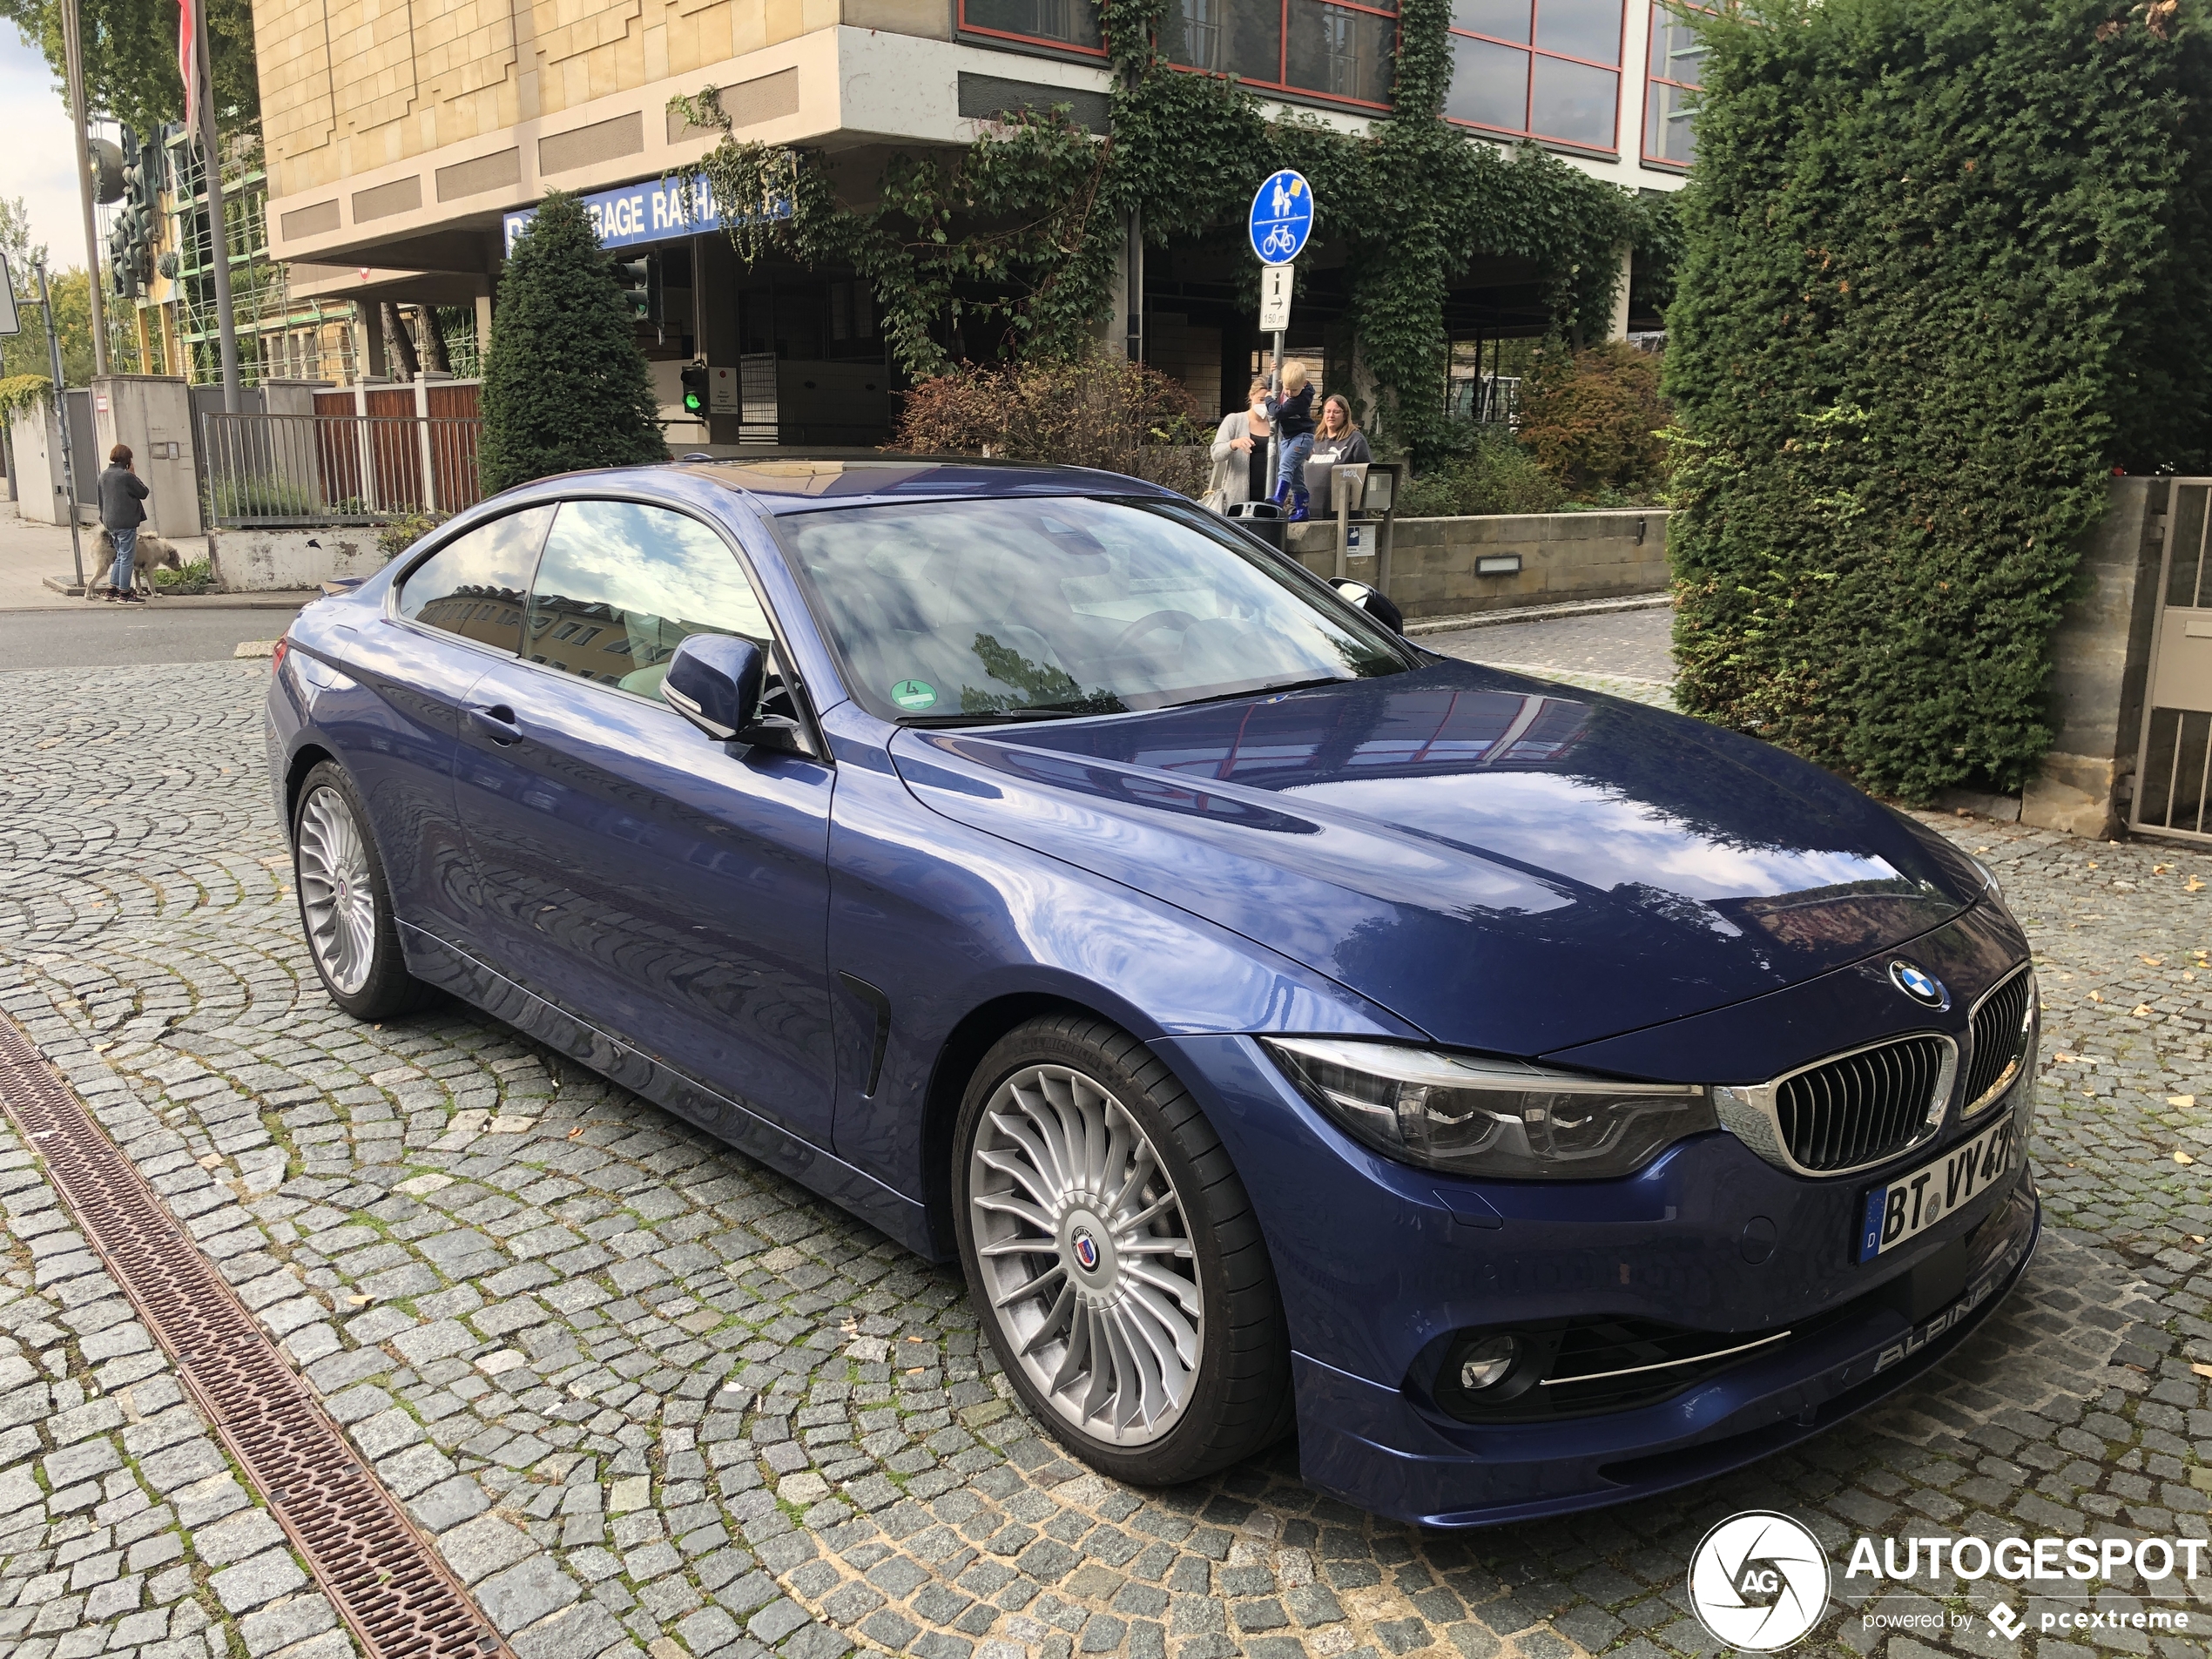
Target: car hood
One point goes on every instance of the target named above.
(1509, 864)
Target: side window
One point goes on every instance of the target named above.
(622, 584)
(474, 586)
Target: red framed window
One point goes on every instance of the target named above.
(1345, 50)
(1071, 25)
(1672, 83)
(1539, 68)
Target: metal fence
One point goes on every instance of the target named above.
(270, 470)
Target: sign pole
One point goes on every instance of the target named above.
(1280, 221)
(61, 413)
(73, 63)
(211, 157)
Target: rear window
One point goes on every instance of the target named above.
(475, 584)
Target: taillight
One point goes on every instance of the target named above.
(276, 656)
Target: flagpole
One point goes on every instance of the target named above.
(200, 89)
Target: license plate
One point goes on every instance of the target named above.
(1900, 1211)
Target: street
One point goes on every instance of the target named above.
(650, 1396)
(114, 635)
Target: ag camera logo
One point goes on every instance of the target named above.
(1759, 1581)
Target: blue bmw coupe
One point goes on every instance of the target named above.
(1531, 1099)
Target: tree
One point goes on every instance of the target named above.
(25, 354)
(131, 57)
(1948, 263)
(566, 386)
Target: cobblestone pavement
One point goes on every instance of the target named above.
(1631, 645)
(649, 1396)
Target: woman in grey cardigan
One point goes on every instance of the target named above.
(1240, 441)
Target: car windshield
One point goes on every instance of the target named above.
(941, 612)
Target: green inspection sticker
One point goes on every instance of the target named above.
(914, 694)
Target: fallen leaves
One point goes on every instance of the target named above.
(2183, 1158)
(2140, 1011)
(2181, 1100)
(2151, 961)
(2194, 886)
(2203, 1370)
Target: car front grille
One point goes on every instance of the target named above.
(1861, 1108)
(2001, 1032)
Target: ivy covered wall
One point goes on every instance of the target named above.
(1948, 263)
(1025, 227)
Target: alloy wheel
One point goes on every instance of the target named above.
(337, 890)
(1086, 1255)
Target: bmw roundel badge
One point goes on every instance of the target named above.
(1923, 988)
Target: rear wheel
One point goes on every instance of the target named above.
(345, 904)
(1113, 1257)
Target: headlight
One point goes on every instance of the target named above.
(1988, 879)
(1491, 1118)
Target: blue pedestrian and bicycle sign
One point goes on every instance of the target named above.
(1282, 216)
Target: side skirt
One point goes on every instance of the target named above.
(435, 962)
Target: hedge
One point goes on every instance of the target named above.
(1947, 263)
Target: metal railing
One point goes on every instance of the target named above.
(273, 470)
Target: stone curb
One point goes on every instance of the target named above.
(1537, 613)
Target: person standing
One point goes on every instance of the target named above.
(1291, 411)
(1239, 443)
(1338, 440)
(122, 494)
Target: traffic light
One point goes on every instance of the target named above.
(695, 375)
(640, 281)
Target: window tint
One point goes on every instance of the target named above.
(474, 586)
(622, 584)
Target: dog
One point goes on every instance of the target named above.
(152, 550)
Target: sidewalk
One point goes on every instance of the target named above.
(36, 563)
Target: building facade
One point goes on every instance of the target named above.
(400, 137)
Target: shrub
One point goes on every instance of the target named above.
(1497, 476)
(1592, 420)
(565, 385)
(197, 575)
(1947, 262)
(1097, 412)
(395, 535)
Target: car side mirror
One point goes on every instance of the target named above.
(714, 681)
(1374, 602)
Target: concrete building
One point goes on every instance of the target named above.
(400, 138)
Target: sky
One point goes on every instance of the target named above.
(38, 164)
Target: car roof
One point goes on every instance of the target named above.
(794, 482)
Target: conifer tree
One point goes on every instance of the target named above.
(566, 386)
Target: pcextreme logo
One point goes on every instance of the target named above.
(1759, 1581)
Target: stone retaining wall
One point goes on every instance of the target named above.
(266, 561)
(1549, 558)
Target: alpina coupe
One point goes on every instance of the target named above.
(1530, 1099)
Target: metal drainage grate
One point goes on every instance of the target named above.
(384, 1578)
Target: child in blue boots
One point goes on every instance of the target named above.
(1290, 407)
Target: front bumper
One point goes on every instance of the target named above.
(1379, 1262)
(1375, 1447)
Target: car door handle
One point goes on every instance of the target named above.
(497, 722)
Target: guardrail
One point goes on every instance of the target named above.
(273, 470)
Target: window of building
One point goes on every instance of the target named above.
(1055, 22)
(1545, 69)
(1677, 72)
(1340, 51)
(622, 586)
(473, 585)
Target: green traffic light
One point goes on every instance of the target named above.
(692, 404)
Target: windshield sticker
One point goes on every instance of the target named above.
(915, 695)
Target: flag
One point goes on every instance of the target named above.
(188, 60)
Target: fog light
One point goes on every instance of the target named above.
(1488, 1362)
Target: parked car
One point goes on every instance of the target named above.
(1535, 1099)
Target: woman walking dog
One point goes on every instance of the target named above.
(122, 494)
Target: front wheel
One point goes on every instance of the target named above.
(345, 903)
(1114, 1256)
